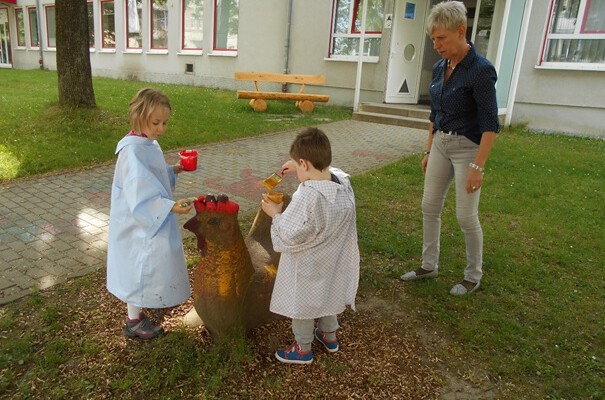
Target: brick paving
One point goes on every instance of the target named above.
(54, 227)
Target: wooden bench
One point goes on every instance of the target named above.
(304, 101)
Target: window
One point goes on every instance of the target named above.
(108, 25)
(34, 39)
(576, 35)
(51, 27)
(346, 28)
(134, 16)
(159, 24)
(91, 26)
(20, 27)
(226, 24)
(193, 11)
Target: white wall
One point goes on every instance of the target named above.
(556, 100)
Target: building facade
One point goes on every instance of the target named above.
(549, 54)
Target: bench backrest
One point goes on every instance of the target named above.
(280, 78)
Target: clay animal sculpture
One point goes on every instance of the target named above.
(234, 278)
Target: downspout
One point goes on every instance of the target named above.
(284, 86)
(38, 21)
(362, 36)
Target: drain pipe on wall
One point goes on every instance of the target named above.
(362, 37)
(284, 86)
(38, 21)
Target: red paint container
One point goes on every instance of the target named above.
(189, 160)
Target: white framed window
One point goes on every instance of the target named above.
(575, 35)
(51, 27)
(108, 25)
(226, 25)
(346, 28)
(91, 25)
(32, 15)
(20, 27)
(134, 17)
(192, 23)
(159, 24)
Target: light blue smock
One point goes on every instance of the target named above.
(145, 259)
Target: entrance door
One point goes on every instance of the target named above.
(5, 51)
(405, 58)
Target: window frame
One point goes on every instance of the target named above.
(32, 24)
(91, 29)
(216, 49)
(46, 9)
(352, 32)
(151, 27)
(21, 41)
(102, 3)
(579, 33)
(183, 27)
(127, 25)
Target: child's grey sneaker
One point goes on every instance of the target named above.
(142, 328)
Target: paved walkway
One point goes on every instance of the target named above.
(54, 227)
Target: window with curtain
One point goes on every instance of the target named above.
(51, 27)
(226, 24)
(34, 39)
(192, 23)
(108, 24)
(347, 15)
(91, 25)
(134, 16)
(159, 24)
(576, 34)
(20, 27)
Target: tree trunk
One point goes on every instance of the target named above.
(73, 54)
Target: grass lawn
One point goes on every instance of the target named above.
(534, 330)
(36, 136)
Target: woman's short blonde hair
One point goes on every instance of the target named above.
(447, 14)
(142, 105)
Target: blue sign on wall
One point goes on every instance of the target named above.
(410, 10)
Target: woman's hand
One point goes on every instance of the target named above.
(270, 208)
(474, 180)
(425, 162)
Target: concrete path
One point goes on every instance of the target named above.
(54, 227)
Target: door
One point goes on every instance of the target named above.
(5, 50)
(405, 55)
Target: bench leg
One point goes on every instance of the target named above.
(305, 106)
(258, 105)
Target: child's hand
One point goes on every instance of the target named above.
(270, 208)
(289, 166)
(178, 168)
(180, 208)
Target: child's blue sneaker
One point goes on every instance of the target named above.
(294, 355)
(330, 345)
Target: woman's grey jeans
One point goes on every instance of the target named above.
(448, 161)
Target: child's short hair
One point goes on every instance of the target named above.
(142, 105)
(314, 146)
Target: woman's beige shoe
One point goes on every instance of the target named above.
(413, 276)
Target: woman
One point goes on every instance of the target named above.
(464, 123)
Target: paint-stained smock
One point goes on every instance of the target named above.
(145, 258)
(318, 270)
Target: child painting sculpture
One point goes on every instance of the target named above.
(145, 258)
(318, 272)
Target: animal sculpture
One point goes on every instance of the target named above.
(234, 278)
